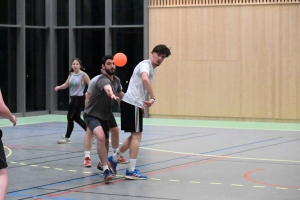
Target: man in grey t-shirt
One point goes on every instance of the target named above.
(132, 107)
(114, 129)
(98, 110)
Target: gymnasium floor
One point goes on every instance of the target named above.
(183, 159)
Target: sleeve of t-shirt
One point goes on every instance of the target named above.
(144, 67)
(101, 83)
(91, 85)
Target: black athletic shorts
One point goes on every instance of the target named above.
(3, 163)
(112, 121)
(131, 118)
(93, 122)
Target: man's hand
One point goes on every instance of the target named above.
(112, 96)
(149, 103)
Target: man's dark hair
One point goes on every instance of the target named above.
(162, 49)
(106, 57)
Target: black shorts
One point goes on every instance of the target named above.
(131, 118)
(112, 121)
(3, 163)
(92, 122)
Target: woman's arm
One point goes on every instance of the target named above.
(5, 112)
(86, 79)
(63, 86)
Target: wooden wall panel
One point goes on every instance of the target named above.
(206, 88)
(228, 61)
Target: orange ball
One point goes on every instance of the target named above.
(120, 59)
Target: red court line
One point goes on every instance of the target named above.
(246, 176)
(121, 180)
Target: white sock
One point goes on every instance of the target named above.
(87, 154)
(116, 155)
(115, 150)
(105, 167)
(131, 165)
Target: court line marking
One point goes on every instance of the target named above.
(246, 176)
(217, 156)
(9, 151)
(27, 123)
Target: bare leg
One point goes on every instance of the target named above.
(114, 137)
(107, 145)
(88, 140)
(3, 183)
(135, 145)
(126, 144)
(101, 146)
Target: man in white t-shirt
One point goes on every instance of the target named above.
(132, 109)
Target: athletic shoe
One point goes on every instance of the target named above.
(64, 140)
(113, 165)
(107, 176)
(134, 175)
(87, 162)
(100, 167)
(122, 160)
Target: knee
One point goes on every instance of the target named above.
(100, 138)
(136, 136)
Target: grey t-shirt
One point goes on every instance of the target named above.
(92, 83)
(100, 104)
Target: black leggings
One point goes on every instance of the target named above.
(74, 114)
(3, 163)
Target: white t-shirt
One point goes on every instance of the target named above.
(136, 92)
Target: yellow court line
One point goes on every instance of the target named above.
(9, 151)
(239, 185)
(258, 186)
(216, 156)
(194, 182)
(156, 179)
(279, 188)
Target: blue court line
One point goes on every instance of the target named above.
(17, 193)
(243, 145)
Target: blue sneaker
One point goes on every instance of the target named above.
(113, 165)
(107, 176)
(134, 175)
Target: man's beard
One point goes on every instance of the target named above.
(109, 73)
